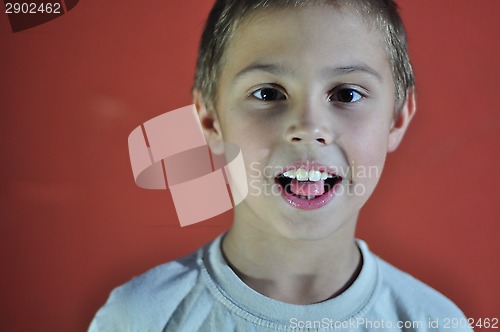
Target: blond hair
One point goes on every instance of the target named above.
(227, 15)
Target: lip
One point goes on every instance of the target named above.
(308, 204)
(308, 165)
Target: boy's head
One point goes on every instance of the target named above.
(308, 90)
(227, 15)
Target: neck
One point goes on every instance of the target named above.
(293, 270)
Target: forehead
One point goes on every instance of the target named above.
(307, 38)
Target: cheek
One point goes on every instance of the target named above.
(255, 140)
(371, 162)
(254, 136)
(366, 149)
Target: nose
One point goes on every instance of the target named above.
(309, 133)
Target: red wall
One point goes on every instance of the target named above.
(73, 225)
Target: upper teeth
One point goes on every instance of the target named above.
(305, 175)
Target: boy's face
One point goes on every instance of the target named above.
(308, 89)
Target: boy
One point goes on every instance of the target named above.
(313, 92)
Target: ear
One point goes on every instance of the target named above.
(209, 123)
(401, 121)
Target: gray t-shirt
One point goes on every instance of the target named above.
(200, 292)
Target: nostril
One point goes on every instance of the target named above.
(296, 139)
(321, 140)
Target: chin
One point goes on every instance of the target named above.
(312, 230)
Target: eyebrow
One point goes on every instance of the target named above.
(361, 68)
(278, 69)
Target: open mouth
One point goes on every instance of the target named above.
(307, 189)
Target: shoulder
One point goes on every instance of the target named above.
(154, 294)
(406, 289)
(411, 299)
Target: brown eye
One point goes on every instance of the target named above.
(345, 96)
(268, 94)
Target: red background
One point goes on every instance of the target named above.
(73, 225)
